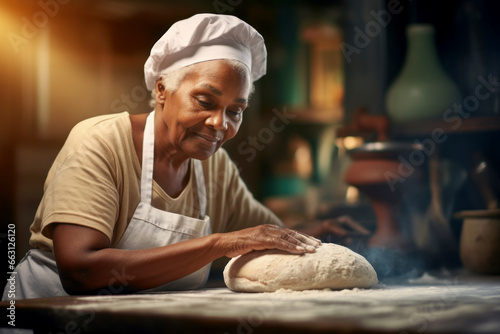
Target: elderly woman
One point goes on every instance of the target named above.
(142, 202)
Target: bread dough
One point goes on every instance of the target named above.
(331, 266)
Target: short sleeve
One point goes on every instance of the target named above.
(82, 186)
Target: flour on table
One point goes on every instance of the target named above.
(330, 267)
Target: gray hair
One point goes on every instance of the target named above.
(172, 78)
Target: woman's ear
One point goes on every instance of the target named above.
(159, 92)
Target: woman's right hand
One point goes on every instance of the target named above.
(266, 237)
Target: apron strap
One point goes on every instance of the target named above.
(148, 149)
(200, 184)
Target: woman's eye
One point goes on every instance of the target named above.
(235, 114)
(204, 104)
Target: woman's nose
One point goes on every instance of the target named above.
(217, 120)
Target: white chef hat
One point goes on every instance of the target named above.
(205, 37)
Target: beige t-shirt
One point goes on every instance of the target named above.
(96, 177)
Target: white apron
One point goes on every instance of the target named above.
(151, 227)
(37, 275)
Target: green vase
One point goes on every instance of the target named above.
(422, 90)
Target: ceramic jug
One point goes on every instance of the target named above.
(422, 90)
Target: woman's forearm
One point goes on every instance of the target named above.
(87, 266)
(133, 270)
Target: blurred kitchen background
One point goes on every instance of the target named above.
(331, 66)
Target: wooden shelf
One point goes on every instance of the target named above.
(455, 125)
(309, 115)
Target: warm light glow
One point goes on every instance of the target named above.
(352, 194)
(7, 25)
(43, 83)
(351, 142)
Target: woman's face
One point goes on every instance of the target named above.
(205, 111)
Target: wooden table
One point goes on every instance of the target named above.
(446, 304)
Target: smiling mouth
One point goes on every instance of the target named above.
(208, 138)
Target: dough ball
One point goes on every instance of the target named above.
(331, 266)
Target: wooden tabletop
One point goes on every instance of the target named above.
(451, 304)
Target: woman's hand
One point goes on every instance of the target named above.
(266, 237)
